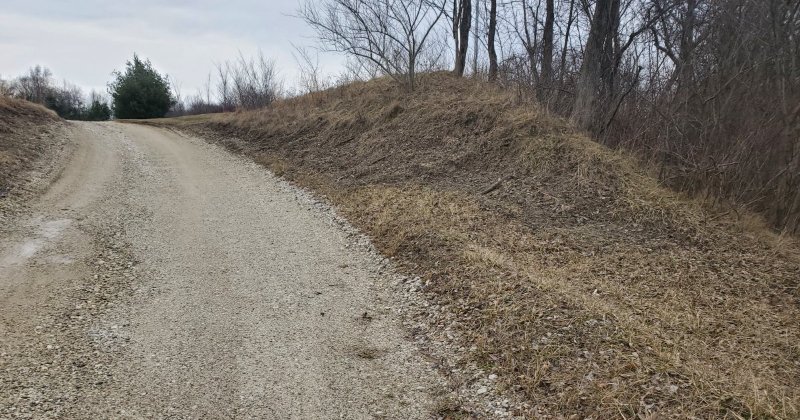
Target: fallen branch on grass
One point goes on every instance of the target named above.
(379, 159)
(496, 185)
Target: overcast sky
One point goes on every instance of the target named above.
(83, 41)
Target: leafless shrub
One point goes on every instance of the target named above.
(254, 81)
(310, 78)
(197, 104)
(242, 83)
(35, 85)
(225, 94)
(178, 107)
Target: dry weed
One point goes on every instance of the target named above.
(589, 288)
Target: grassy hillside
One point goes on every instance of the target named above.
(23, 126)
(587, 287)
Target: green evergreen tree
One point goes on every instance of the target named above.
(140, 92)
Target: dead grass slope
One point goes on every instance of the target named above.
(586, 286)
(23, 125)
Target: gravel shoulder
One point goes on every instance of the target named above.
(161, 276)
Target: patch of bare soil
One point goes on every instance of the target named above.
(557, 265)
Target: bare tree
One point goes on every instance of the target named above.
(527, 32)
(491, 40)
(547, 43)
(67, 100)
(597, 73)
(254, 81)
(356, 69)
(178, 107)
(708, 89)
(571, 16)
(596, 95)
(224, 89)
(391, 34)
(462, 21)
(679, 30)
(207, 88)
(35, 85)
(476, 36)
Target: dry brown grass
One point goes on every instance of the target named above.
(589, 288)
(21, 125)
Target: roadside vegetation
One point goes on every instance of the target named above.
(590, 289)
(67, 100)
(707, 93)
(242, 83)
(601, 197)
(139, 92)
(568, 265)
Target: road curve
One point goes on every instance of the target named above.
(161, 276)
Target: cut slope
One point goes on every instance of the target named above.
(23, 128)
(586, 286)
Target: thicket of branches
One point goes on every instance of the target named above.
(708, 91)
(241, 83)
(388, 34)
(67, 100)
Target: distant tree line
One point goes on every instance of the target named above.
(707, 91)
(66, 99)
(140, 91)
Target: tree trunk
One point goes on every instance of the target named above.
(475, 39)
(685, 70)
(547, 43)
(492, 31)
(531, 45)
(596, 81)
(412, 72)
(462, 19)
(570, 20)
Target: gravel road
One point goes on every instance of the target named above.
(160, 276)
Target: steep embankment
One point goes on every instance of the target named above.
(585, 286)
(28, 135)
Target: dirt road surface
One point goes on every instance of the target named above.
(162, 277)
